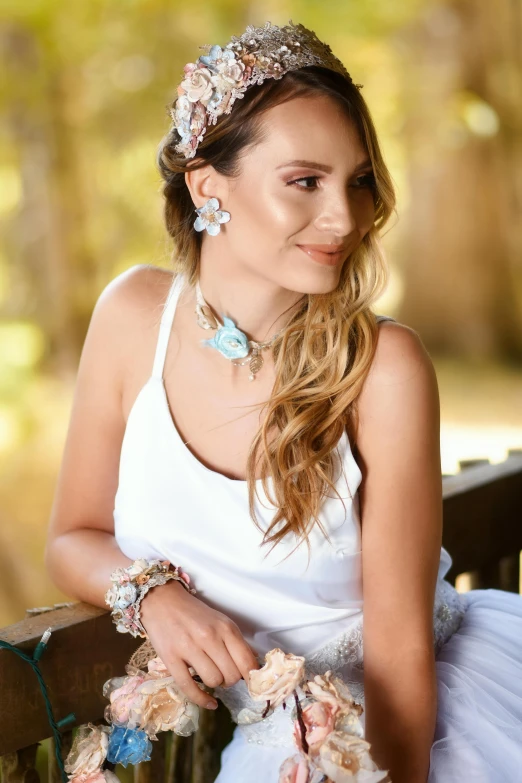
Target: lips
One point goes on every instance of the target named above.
(323, 253)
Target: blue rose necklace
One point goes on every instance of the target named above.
(230, 341)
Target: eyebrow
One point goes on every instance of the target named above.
(310, 164)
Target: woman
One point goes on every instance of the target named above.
(295, 500)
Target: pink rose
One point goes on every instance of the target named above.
(102, 776)
(319, 721)
(294, 770)
(123, 699)
(332, 690)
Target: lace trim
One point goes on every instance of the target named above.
(344, 656)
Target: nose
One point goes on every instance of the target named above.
(339, 215)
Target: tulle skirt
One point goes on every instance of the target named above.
(478, 735)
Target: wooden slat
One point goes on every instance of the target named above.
(153, 771)
(180, 763)
(483, 517)
(19, 767)
(83, 652)
(510, 573)
(215, 731)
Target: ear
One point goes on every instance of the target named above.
(203, 183)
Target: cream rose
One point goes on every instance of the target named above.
(276, 680)
(198, 85)
(88, 752)
(164, 708)
(346, 759)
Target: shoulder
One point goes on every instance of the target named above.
(399, 355)
(139, 291)
(125, 319)
(401, 384)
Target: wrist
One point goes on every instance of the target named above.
(155, 597)
(130, 585)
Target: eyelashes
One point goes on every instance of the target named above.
(368, 181)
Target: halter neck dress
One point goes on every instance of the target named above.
(169, 505)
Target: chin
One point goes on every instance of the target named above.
(310, 282)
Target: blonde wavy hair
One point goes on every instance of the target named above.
(324, 355)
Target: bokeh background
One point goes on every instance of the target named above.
(84, 87)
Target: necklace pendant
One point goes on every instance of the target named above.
(256, 362)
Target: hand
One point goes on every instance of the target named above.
(185, 632)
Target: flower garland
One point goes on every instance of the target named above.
(327, 732)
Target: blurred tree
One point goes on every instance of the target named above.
(463, 131)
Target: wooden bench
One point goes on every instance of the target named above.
(482, 532)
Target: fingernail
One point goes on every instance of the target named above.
(212, 705)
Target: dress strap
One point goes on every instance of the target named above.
(165, 328)
(384, 318)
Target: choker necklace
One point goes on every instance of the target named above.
(230, 341)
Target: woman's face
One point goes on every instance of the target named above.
(279, 206)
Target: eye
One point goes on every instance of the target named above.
(366, 181)
(303, 179)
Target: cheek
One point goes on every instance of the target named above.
(283, 212)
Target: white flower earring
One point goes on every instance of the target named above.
(210, 217)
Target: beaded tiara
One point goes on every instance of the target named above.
(215, 80)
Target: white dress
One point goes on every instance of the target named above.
(168, 505)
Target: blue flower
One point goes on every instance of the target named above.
(128, 746)
(215, 55)
(209, 217)
(229, 340)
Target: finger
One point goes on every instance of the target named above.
(225, 663)
(183, 678)
(207, 668)
(242, 655)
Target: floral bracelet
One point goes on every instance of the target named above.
(129, 587)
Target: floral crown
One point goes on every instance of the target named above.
(212, 84)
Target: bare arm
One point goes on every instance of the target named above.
(398, 443)
(81, 548)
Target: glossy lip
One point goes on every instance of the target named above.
(317, 253)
